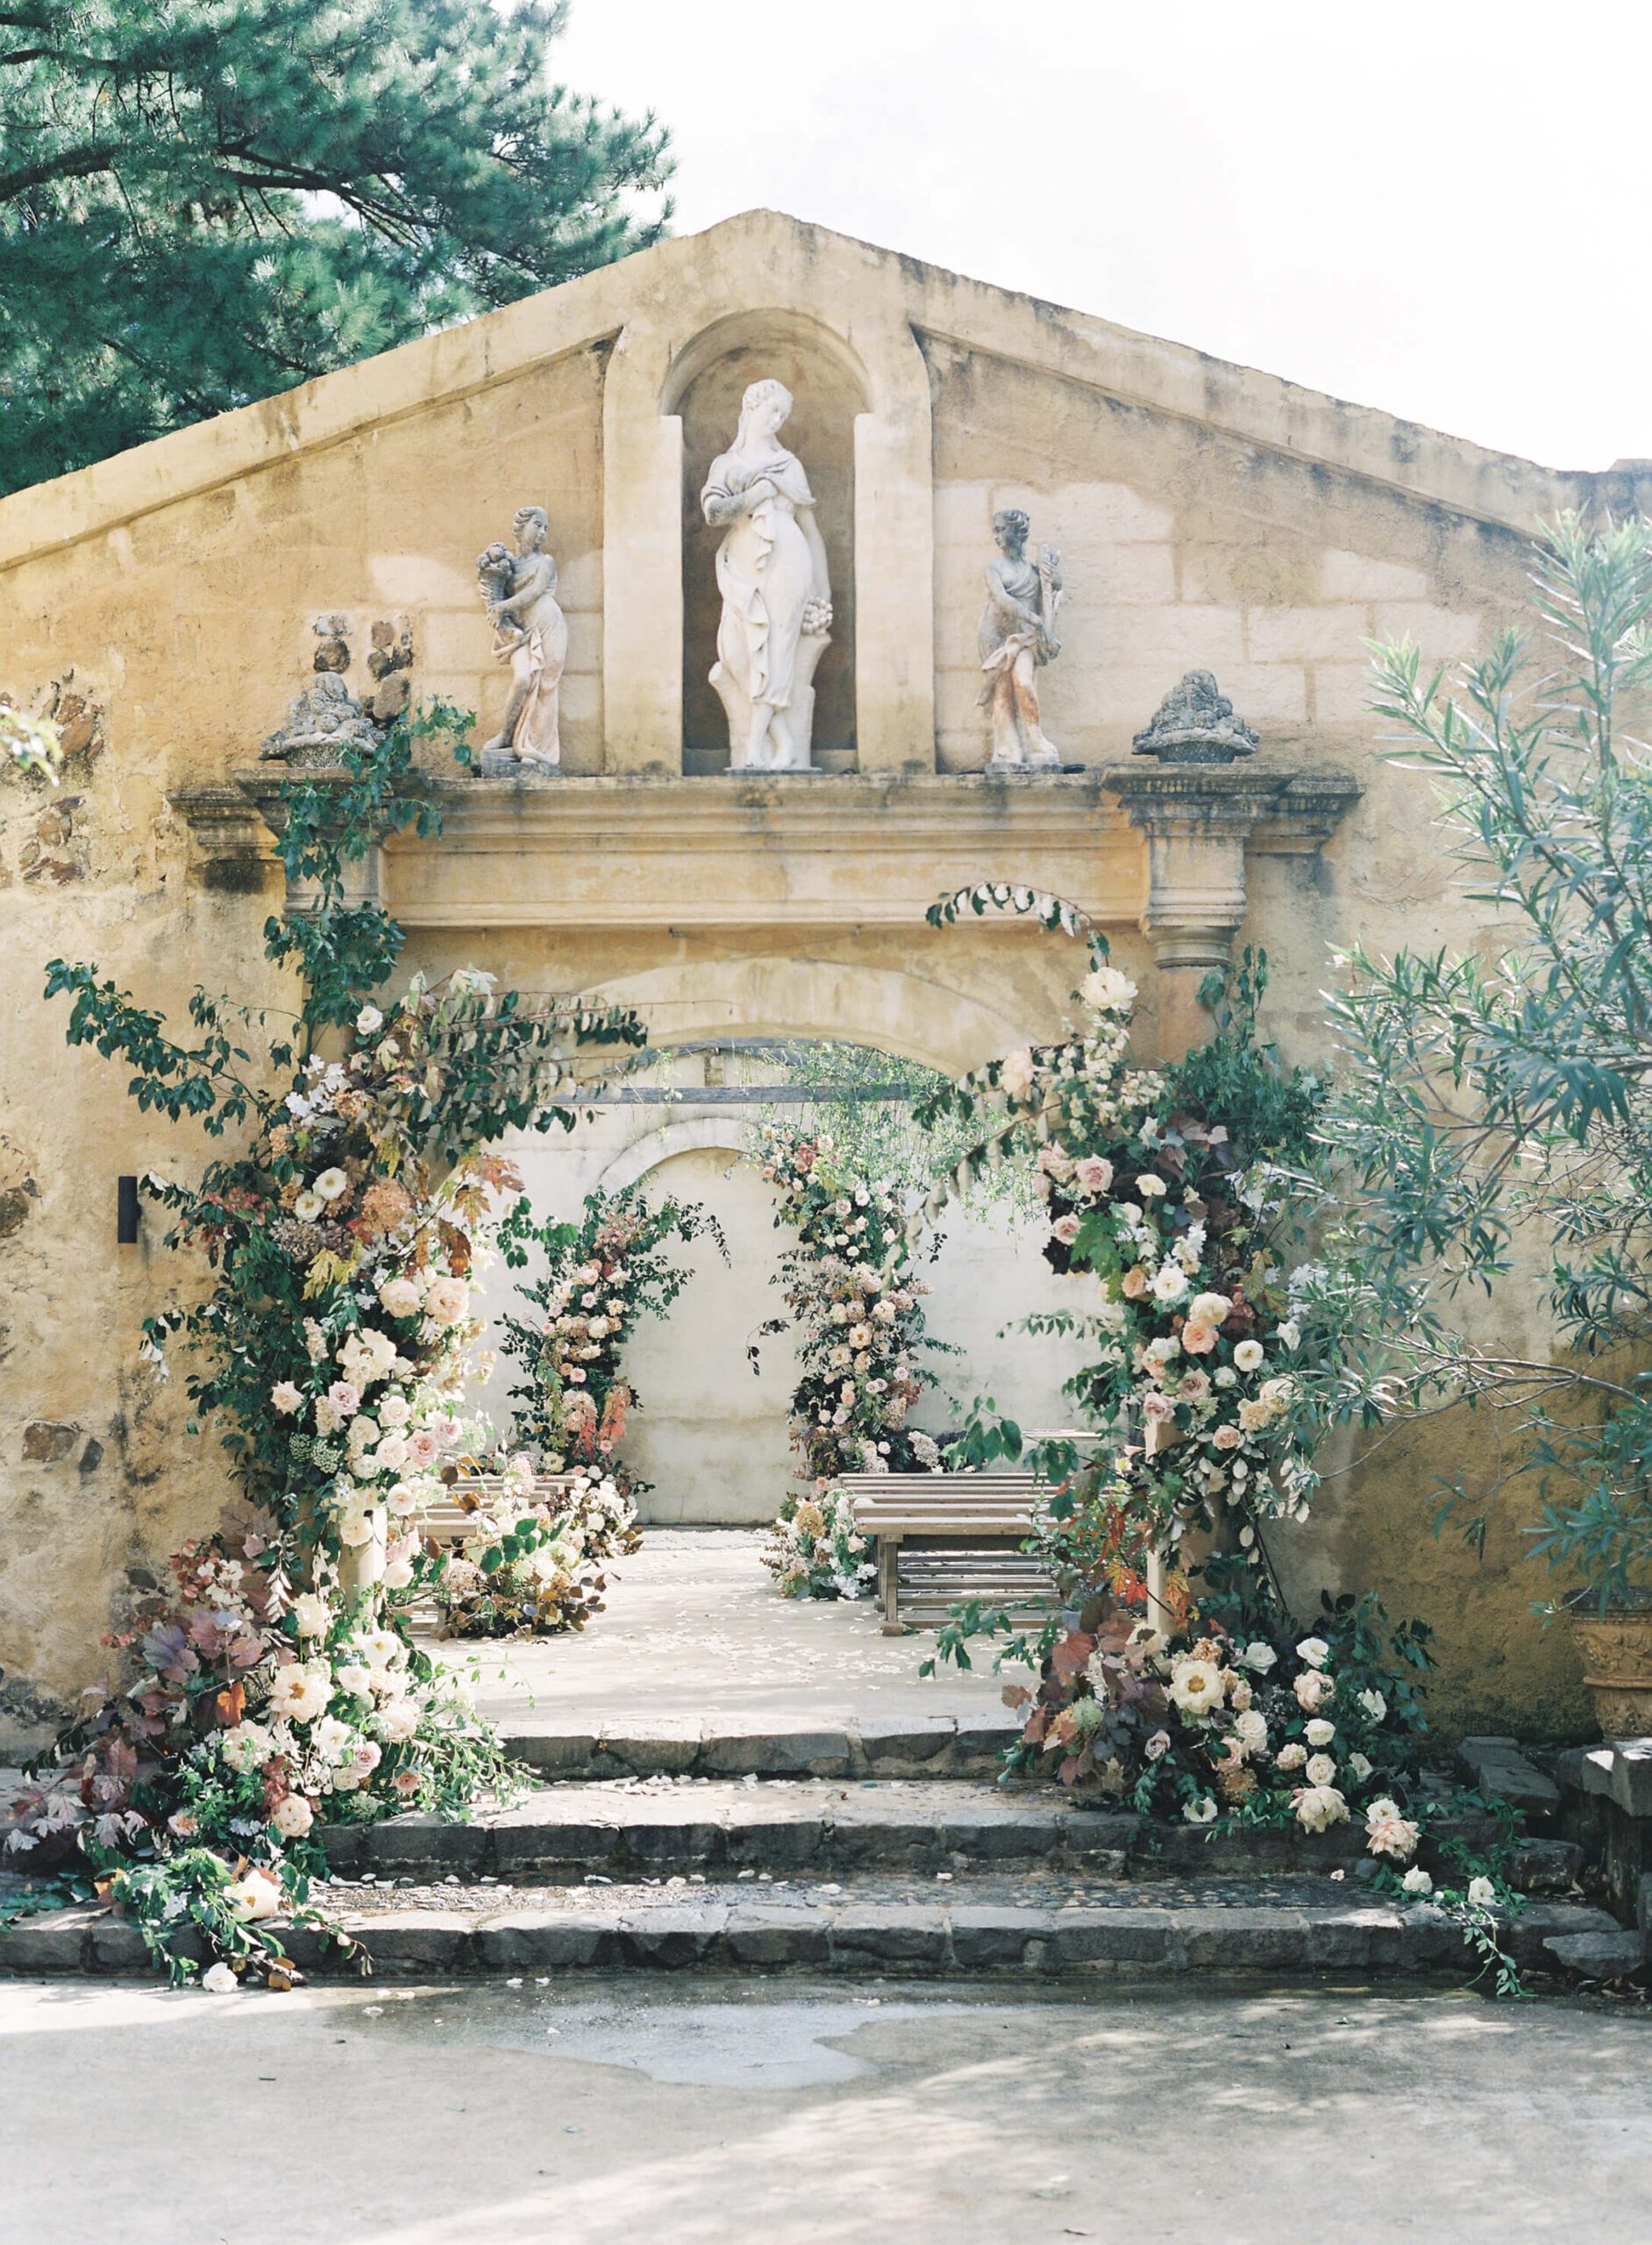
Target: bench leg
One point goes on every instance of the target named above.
(889, 1587)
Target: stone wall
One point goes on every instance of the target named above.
(167, 602)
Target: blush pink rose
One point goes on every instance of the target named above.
(1198, 1339)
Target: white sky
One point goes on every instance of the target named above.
(1436, 209)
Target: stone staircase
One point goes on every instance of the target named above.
(880, 1848)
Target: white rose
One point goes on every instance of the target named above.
(1249, 1355)
(1290, 1334)
(1481, 1893)
(1250, 1729)
(1319, 1732)
(308, 1207)
(292, 1816)
(1259, 1656)
(1315, 1650)
(397, 1719)
(332, 1739)
(447, 1300)
(391, 1454)
(1374, 1704)
(1319, 1806)
(370, 1021)
(1107, 991)
(246, 1745)
(398, 1574)
(311, 1613)
(1016, 1071)
(1150, 1188)
(1209, 1310)
(1170, 1283)
(254, 1895)
(1417, 1881)
(1196, 1686)
(1202, 1810)
(300, 1693)
(1382, 1811)
(286, 1397)
(1360, 1766)
(400, 1298)
(219, 1980)
(1321, 1770)
(394, 1411)
(356, 1526)
(354, 1677)
(332, 1184)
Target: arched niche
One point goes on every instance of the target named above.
(829, 391)
(857, 324)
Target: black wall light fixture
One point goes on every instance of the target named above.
(126, 1211)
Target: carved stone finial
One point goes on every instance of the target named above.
(1196, 724)
(324, 720)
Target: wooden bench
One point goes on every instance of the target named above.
(454, 1516)
(946, 1539)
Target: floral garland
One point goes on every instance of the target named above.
(1170, 1189)
(853, 1300)
(601, 1277)
(1161, 1186)
(278, 1687)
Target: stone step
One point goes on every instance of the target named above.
(867, 1746)
(563, 1833)
(566, 1832)
(1047, 1924)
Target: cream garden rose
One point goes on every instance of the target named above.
(292, 1816)
(1319, 1806)
(447, 1300)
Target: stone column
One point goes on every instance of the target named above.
(1196, 821)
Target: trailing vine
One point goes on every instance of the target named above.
(277, 1686)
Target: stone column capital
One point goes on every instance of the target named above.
(1200, 821)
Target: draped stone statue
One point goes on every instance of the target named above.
(530, 633)
(1017, 637)
(777, 609)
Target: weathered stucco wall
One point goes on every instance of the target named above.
(168, 601)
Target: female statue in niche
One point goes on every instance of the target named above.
(530, 633)
(1017, 637)
(776, 607)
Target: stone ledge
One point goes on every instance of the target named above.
(861, 1932)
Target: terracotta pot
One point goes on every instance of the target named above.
(1616, 1651)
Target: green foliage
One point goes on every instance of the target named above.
(205, 202)
(911, 1140)
(1492, 1114)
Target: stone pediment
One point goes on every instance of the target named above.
(780, 261)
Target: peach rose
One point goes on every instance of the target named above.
(1133, 1283)
(1198, 1338)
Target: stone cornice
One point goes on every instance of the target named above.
(854, 850)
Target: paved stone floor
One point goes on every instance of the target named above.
(694, 1628)
(700, 2114)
